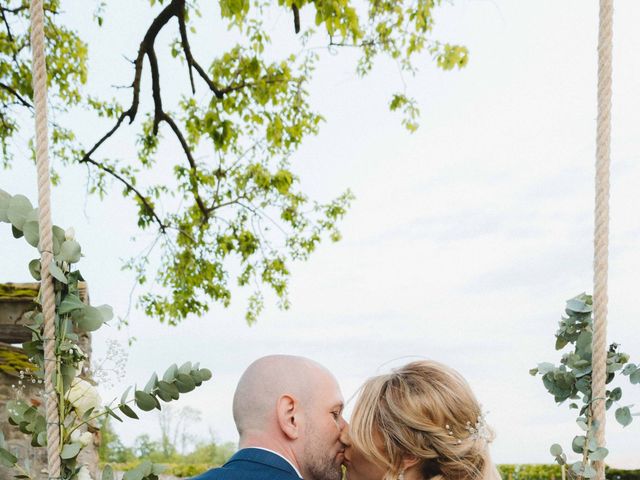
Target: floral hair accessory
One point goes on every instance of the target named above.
(480, 429)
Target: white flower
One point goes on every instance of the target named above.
(84, 474)
(83, 438)
(83, 396)
(70, 234)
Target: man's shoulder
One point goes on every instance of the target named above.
(252, 464)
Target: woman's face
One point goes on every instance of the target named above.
(359, 467)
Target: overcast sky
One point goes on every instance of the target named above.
(465, 239)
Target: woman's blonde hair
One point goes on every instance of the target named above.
(427, 411)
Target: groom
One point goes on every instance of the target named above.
(288, 411)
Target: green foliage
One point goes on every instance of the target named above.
(571, 380)
(241, 206)
(554, 472)
(79, 404)
(67, 72)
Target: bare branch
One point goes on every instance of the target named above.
(296, 17)
(163, 227)
(192, 163)
(191, 62)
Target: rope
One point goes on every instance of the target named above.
(46, 237)
(601, 231)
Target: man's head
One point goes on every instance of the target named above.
(292, 405)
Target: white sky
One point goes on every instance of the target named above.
(465, 239)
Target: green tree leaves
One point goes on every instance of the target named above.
(247, 113)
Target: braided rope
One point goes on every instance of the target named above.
(46, 236)
(601, 232)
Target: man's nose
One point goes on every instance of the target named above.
(345, 438)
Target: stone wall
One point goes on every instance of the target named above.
(15, 301)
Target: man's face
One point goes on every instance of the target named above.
(323, 451)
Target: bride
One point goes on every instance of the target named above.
(419, 422)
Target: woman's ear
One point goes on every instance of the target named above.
(287, 413)
(409, 461)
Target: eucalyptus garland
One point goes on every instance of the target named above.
(571, 380)
(79, 402)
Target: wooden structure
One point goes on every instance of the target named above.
(17, 300)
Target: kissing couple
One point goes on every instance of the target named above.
(419, 422)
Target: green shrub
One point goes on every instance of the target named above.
(554, 472)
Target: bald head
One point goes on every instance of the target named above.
(265, 381)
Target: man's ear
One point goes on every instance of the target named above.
(288, 416)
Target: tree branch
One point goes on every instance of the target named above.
(191, 62)
(296, 17)
(16, 94)
(187, 151)
(163, 227)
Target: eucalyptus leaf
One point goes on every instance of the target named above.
(634, 378)
(128, 411)
(31, 231)
(583, 343)
(578, 444)
(151, 384)
(70, 303)
(123, 398)
(19, 208)
(545, 367)
(34, 269)
(68, 373)
(599, 454)
(134, 474)
(555, 450)
(146, 467)
(144, 401)
(107, 473)
(589, 472)
(158, 468)
(87, 414)
(70, 251)
(88, 319)
(578, 305)
(185, 368)
(7, 458)
(170, 374)
(616, 394)
(577, 468)
(16, 232)
(5, 198)
(164, 396)
(57, 273)
(112, 413)
(58, 239)
(184, 383)
(106, 311)
(623, 416)
(205, 374)
(169, 389)
(70, 450)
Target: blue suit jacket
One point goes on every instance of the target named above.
(252, 464)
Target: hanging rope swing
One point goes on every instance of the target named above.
(601, 232)
(601, 226)
(47, 295)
